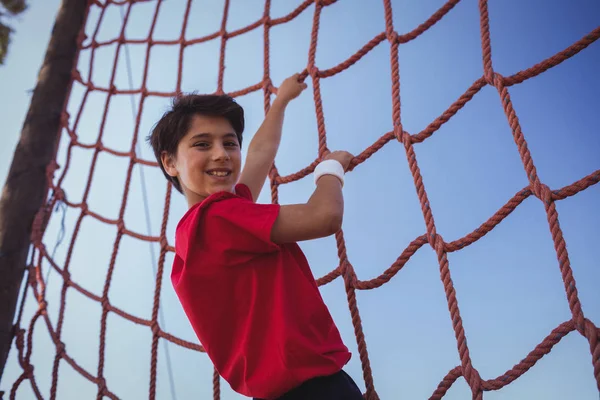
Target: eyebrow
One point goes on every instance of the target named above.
(210, 135)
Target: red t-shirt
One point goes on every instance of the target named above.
(254, 304)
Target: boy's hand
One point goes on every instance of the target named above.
(290, 88)
(343, 157)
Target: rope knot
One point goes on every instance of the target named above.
(121, 226)
(274, 173)
(436, 241)
(493, 78)
(105, 303)
(66, 276)
(268, 84)
(60, 349)
(542, 192)
(155, 328)
(313, 71)
(325, 3)
(102, 384)
(42, 305)
(28, 370)
(498, 80)
(473, 378)
(164, 243)
(399, 133)
(59, 194)
(392, 36)
(348, 272)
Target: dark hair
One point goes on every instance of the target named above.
(175, 123)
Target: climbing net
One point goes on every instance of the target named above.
(37, 284)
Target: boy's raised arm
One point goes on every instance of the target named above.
(265, 143)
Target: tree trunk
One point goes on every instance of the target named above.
(26, 187)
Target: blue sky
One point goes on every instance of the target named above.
(508, 284)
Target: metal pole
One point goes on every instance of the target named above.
(26, 188)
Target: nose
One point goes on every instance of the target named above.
(220, 153)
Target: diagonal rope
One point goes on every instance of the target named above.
(577, 323)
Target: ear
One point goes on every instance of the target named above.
(168, 163)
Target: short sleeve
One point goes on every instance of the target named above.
(243, 191)
(240, 226)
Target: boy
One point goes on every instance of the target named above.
(242, 280)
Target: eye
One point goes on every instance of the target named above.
(232, 144)
(201, 144)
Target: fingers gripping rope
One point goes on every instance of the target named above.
(389, 36)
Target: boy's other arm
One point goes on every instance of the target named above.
(265, 143)
(321, 216)
(263, 148)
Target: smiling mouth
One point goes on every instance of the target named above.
(219, 173)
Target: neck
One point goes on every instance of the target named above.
(193, 198)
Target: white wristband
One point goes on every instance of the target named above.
(329, 167)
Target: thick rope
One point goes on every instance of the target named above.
(36, 284)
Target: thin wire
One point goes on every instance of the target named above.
(147, 215)
(59, 237)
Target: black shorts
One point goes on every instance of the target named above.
(338, 386)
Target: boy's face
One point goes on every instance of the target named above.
(208, 158)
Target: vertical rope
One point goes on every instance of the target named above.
(224, 37)
(36, 285)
